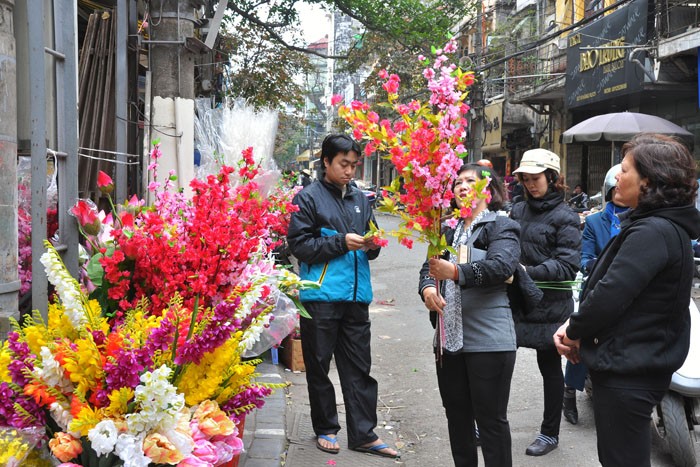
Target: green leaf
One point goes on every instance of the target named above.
(300, 306)
(433, 49)
(95, 270)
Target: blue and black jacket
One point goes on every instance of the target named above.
(317, 238)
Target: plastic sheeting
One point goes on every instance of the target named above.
(222, 133)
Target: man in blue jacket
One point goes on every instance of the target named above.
(327, 236)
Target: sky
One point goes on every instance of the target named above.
(314, 22)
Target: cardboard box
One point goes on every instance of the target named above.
(290, 354)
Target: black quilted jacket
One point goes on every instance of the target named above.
(550, 243)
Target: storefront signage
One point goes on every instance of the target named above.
(597, 66)
(493, 114)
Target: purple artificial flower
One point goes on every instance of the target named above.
(217, 331)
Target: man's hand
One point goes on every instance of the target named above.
(565, 346)
(355, 242)
(441, 269)
(433, 301)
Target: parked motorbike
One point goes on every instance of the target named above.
(677, 418)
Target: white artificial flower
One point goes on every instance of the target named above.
(182, 442)
(66, 286)
(158, 400)
(129, 449)
(62, 416)
(103, 437)
(51, 372)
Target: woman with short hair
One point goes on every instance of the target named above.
(632, 329)
(478, 353)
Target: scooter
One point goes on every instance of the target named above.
(677, 418)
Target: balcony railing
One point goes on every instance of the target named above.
(677, 17)
(537, 71)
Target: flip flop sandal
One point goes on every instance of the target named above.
(330, 440)
(377, 451)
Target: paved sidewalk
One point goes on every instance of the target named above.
(264, 435)
(281, 433)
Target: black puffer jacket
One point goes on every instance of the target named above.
(550, 242)
(633, 321)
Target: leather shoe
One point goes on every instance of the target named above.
(571, 416)
(570, 411)
(540, 448)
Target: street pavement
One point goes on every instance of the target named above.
(409, 411)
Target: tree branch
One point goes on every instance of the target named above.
(274, 35)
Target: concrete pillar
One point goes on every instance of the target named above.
(9, 281)
(172, 66)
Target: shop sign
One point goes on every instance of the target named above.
(493, 114)
(601, 70)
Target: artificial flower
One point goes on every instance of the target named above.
(104, 183)
(103, 437)
(160, 450)
(85, 212)
(65, 447)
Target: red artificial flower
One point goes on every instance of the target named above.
(336, 99)
(86, 214)
(104, 183)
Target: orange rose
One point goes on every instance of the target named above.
(212, 420)
(161, 450)
(65, 447)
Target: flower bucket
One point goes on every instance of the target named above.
(234, 462)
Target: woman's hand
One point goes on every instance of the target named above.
(441, 269)
(433, 301)
(565, 346)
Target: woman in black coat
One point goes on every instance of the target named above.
(550, 242)
(633, 326)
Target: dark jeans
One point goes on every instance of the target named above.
(575, 375)
(341, 330)
(622, 420)
(476, 386)
(549, 362)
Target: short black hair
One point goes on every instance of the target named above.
(338, 143)
(669, 168)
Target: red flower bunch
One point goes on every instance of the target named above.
(193, 248)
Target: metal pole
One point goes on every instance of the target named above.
(66, 27)
(478, 102)
(9, 283)
(37, 92)
(121, 97)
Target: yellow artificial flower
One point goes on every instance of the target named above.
(119, 402)
(86, 420)
(204, 380)
(59, 323)
(93, 311)
(84, 365)
(36, 337)
(5, 359)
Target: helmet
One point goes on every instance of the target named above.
(610, 181)
(306, 172)
(485, 163)
(538, 160)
